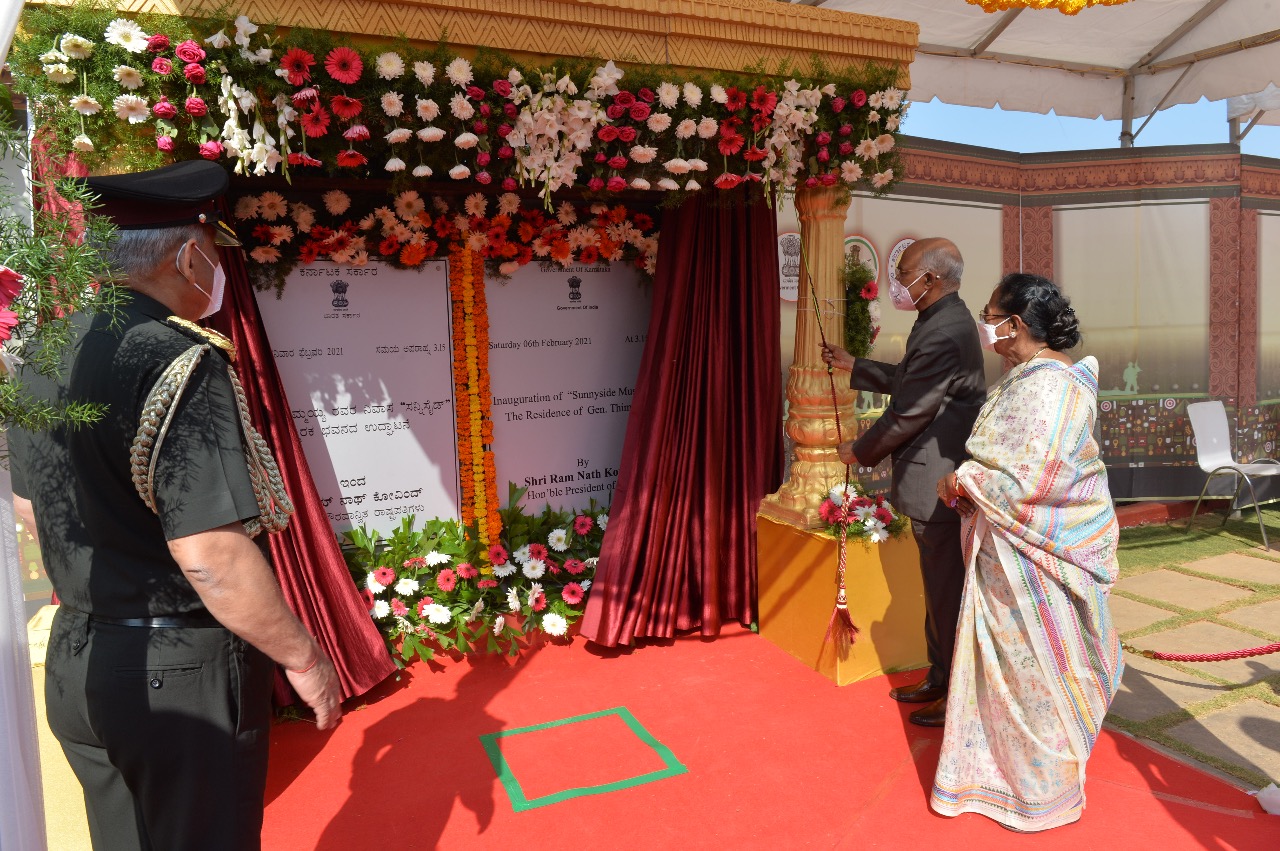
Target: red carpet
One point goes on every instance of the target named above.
(776, 756)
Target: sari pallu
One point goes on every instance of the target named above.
(1037, 658)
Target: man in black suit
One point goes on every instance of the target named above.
(936, 393)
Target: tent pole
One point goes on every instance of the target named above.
(1126, 113)
(1233, 131)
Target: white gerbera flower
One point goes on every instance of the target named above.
(381, 608)
(131, 108)
(59, 74)
(435, 557)
(882, 179)
(668, 95)
(85, 105)
(218, 40)
(498, 625)
(77, 47)
(406, 586)
(425, 72)
(565, 214)
(502, 571)
(459, 72)
(513, 600)
(535, 588)
(884, 143)
(602, 521)
(409, 204)
(389, 65)
(393, 104)
(82, 143)
(558, 540)
(475, 204)
(508, 203)
(53, 57)
(863, 513)
(850, 171)
(127, 34)
(303, 216)
(554, 624)
(891, 123)
(422, 171)
(337, 202)
(395, 164)
(246, 207)
(129, 78)
(876, 531)
(534, 568)
(866, 149)
(271, 206)
(437, 614)
(521, 555)
(374, 585)
(265, 254)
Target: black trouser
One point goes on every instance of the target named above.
(166, 729)
(942, 567)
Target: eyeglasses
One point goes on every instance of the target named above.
(987, 317)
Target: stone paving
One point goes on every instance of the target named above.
(1223, 714)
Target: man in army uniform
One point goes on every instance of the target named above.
(159, 667)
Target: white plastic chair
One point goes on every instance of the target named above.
(1213, 453)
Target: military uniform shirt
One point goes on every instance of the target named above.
(116, 561)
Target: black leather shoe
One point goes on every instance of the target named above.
(922, 692)
(933, 715)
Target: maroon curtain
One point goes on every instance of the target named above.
(704, 438)
(306, 556)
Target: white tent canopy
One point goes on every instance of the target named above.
(1116, 62)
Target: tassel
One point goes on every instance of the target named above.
(841, 627)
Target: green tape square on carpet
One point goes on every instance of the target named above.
(629, 748)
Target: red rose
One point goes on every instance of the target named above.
(158, 43)
(811, 182)
(601, 157)
(822, 138)
(509, 184)
(479, 128)
(162, 66)
(502, 87)
(615, 111)
(624, 99)
(646, 95)
(484, 177)
(164, 109)
(506, 152)
(845, 129)
(846, 148)
(838, 104)
(504, 130)
(485, 110)
(482, 159)
(627, 134)
(595, 184)
(824, 155)
(189, 51)
(639, 111)
(475, 92)
(164, 143)
(618, 162)
(211, 150)
(616, 184)
(828, 179)
(510, 110)
(196, 107)
(194, 74)
(858, 98)
(607, 133)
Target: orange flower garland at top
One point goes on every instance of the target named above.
(471, 382)
(1066, 7)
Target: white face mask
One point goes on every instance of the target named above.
(987, 333)
(901, 296)
(219, 283)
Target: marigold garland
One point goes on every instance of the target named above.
(471, 383)
(1066, 7)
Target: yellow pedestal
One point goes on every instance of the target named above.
(797, 593)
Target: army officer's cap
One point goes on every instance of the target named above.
(184, 193)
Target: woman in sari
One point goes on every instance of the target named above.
(1037, 657)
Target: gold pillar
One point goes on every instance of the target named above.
(811, 423)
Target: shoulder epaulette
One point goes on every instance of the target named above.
(204, 335)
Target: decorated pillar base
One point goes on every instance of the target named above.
(797, 592)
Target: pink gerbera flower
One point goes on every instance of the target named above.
(487, 583)
(884, 515)
(582, 524)
(344, 65)
(345, 107)
(384, 576)
(572, 593)
(447, 580)
(422, 606)
(467, 570)
(538, 551)
(297, 65)
(398, 608)
(539, 602)
(368, 599)
(497, 555)
(574, 566)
